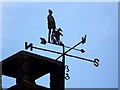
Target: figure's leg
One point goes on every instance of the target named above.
(49, 35)
(53, 35)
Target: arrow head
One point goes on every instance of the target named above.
(84, 39)
(43, 41)
(82, 50)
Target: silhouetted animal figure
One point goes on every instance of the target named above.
(55, 38)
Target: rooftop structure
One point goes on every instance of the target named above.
(26, 67)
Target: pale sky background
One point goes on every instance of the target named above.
(23, 22)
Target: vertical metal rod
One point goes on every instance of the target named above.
(63, 60)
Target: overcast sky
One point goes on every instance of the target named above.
(23, 22)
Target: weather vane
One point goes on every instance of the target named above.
(54, 39)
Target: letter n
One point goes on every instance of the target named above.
(28, 46)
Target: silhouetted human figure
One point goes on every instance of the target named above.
(51, 24)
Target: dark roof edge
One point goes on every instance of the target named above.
(22, 52)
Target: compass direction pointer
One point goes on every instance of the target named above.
(96, 62)
(28, 46)
(84, 39)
